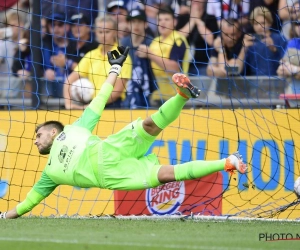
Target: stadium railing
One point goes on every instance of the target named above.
(245, 92)
(237, 91)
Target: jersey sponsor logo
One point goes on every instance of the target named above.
(62, 136)
(68, 159)
(165, 199)
(49, 163)
(62, 153)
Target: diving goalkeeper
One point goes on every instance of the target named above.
(78, 158)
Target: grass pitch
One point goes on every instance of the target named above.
(116, 234)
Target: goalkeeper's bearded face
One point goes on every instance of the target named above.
(44, 140)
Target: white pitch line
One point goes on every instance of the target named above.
(110, 243)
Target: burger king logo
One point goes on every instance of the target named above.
(165, 199)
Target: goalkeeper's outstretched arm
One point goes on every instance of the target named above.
(33, 198)
(42, 189)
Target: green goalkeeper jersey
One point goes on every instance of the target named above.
(69, 162)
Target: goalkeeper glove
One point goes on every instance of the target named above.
(116, 59)
(2, 215)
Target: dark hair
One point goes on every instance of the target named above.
(231, 22)
(166, 10)
(51, 124)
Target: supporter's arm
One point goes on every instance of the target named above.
(168, 64)
(187, 29)
(215, 69)
(286, 69)
(206, 34)
(284, 10)
(216, 66)
(239, 61)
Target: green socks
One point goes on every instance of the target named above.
(197, 169)
(169, 111)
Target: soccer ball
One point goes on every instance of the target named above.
(297, 187)
(82, 90)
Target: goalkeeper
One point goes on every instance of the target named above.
(78, 158)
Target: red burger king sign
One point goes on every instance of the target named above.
(201, 196)
(165, 199)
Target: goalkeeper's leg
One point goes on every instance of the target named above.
(171, 109)
(197, 169)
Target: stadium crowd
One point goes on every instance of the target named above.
(217, 39)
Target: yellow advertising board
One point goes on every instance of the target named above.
(267, 139)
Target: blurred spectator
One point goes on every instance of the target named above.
(117, 9)
(134, 4)
(22, 7)
(53, 52)
(168, 53)
(45, 33)
(229, 9)
(272, 7)
(290, 64)
(152, 8)
(287, 11)
(141, 84)
(82, 42)
(200, 29)
(21, 66)
(95, 66)
(230, 52)
(70, 7)
(8, 48)
(263, 57)
(22, 61)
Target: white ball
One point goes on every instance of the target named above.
(82, 90)
(297, 186)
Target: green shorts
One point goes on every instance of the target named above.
(124, 164)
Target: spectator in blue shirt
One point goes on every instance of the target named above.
(82, 41)
(54, 74)
(141, 84)
(263, 57)
(290, 64)
(89, 8)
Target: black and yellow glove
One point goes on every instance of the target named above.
(117, 58)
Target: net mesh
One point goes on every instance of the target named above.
(239, 110)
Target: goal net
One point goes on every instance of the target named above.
(252, 109)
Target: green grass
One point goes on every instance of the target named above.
(115, 234)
